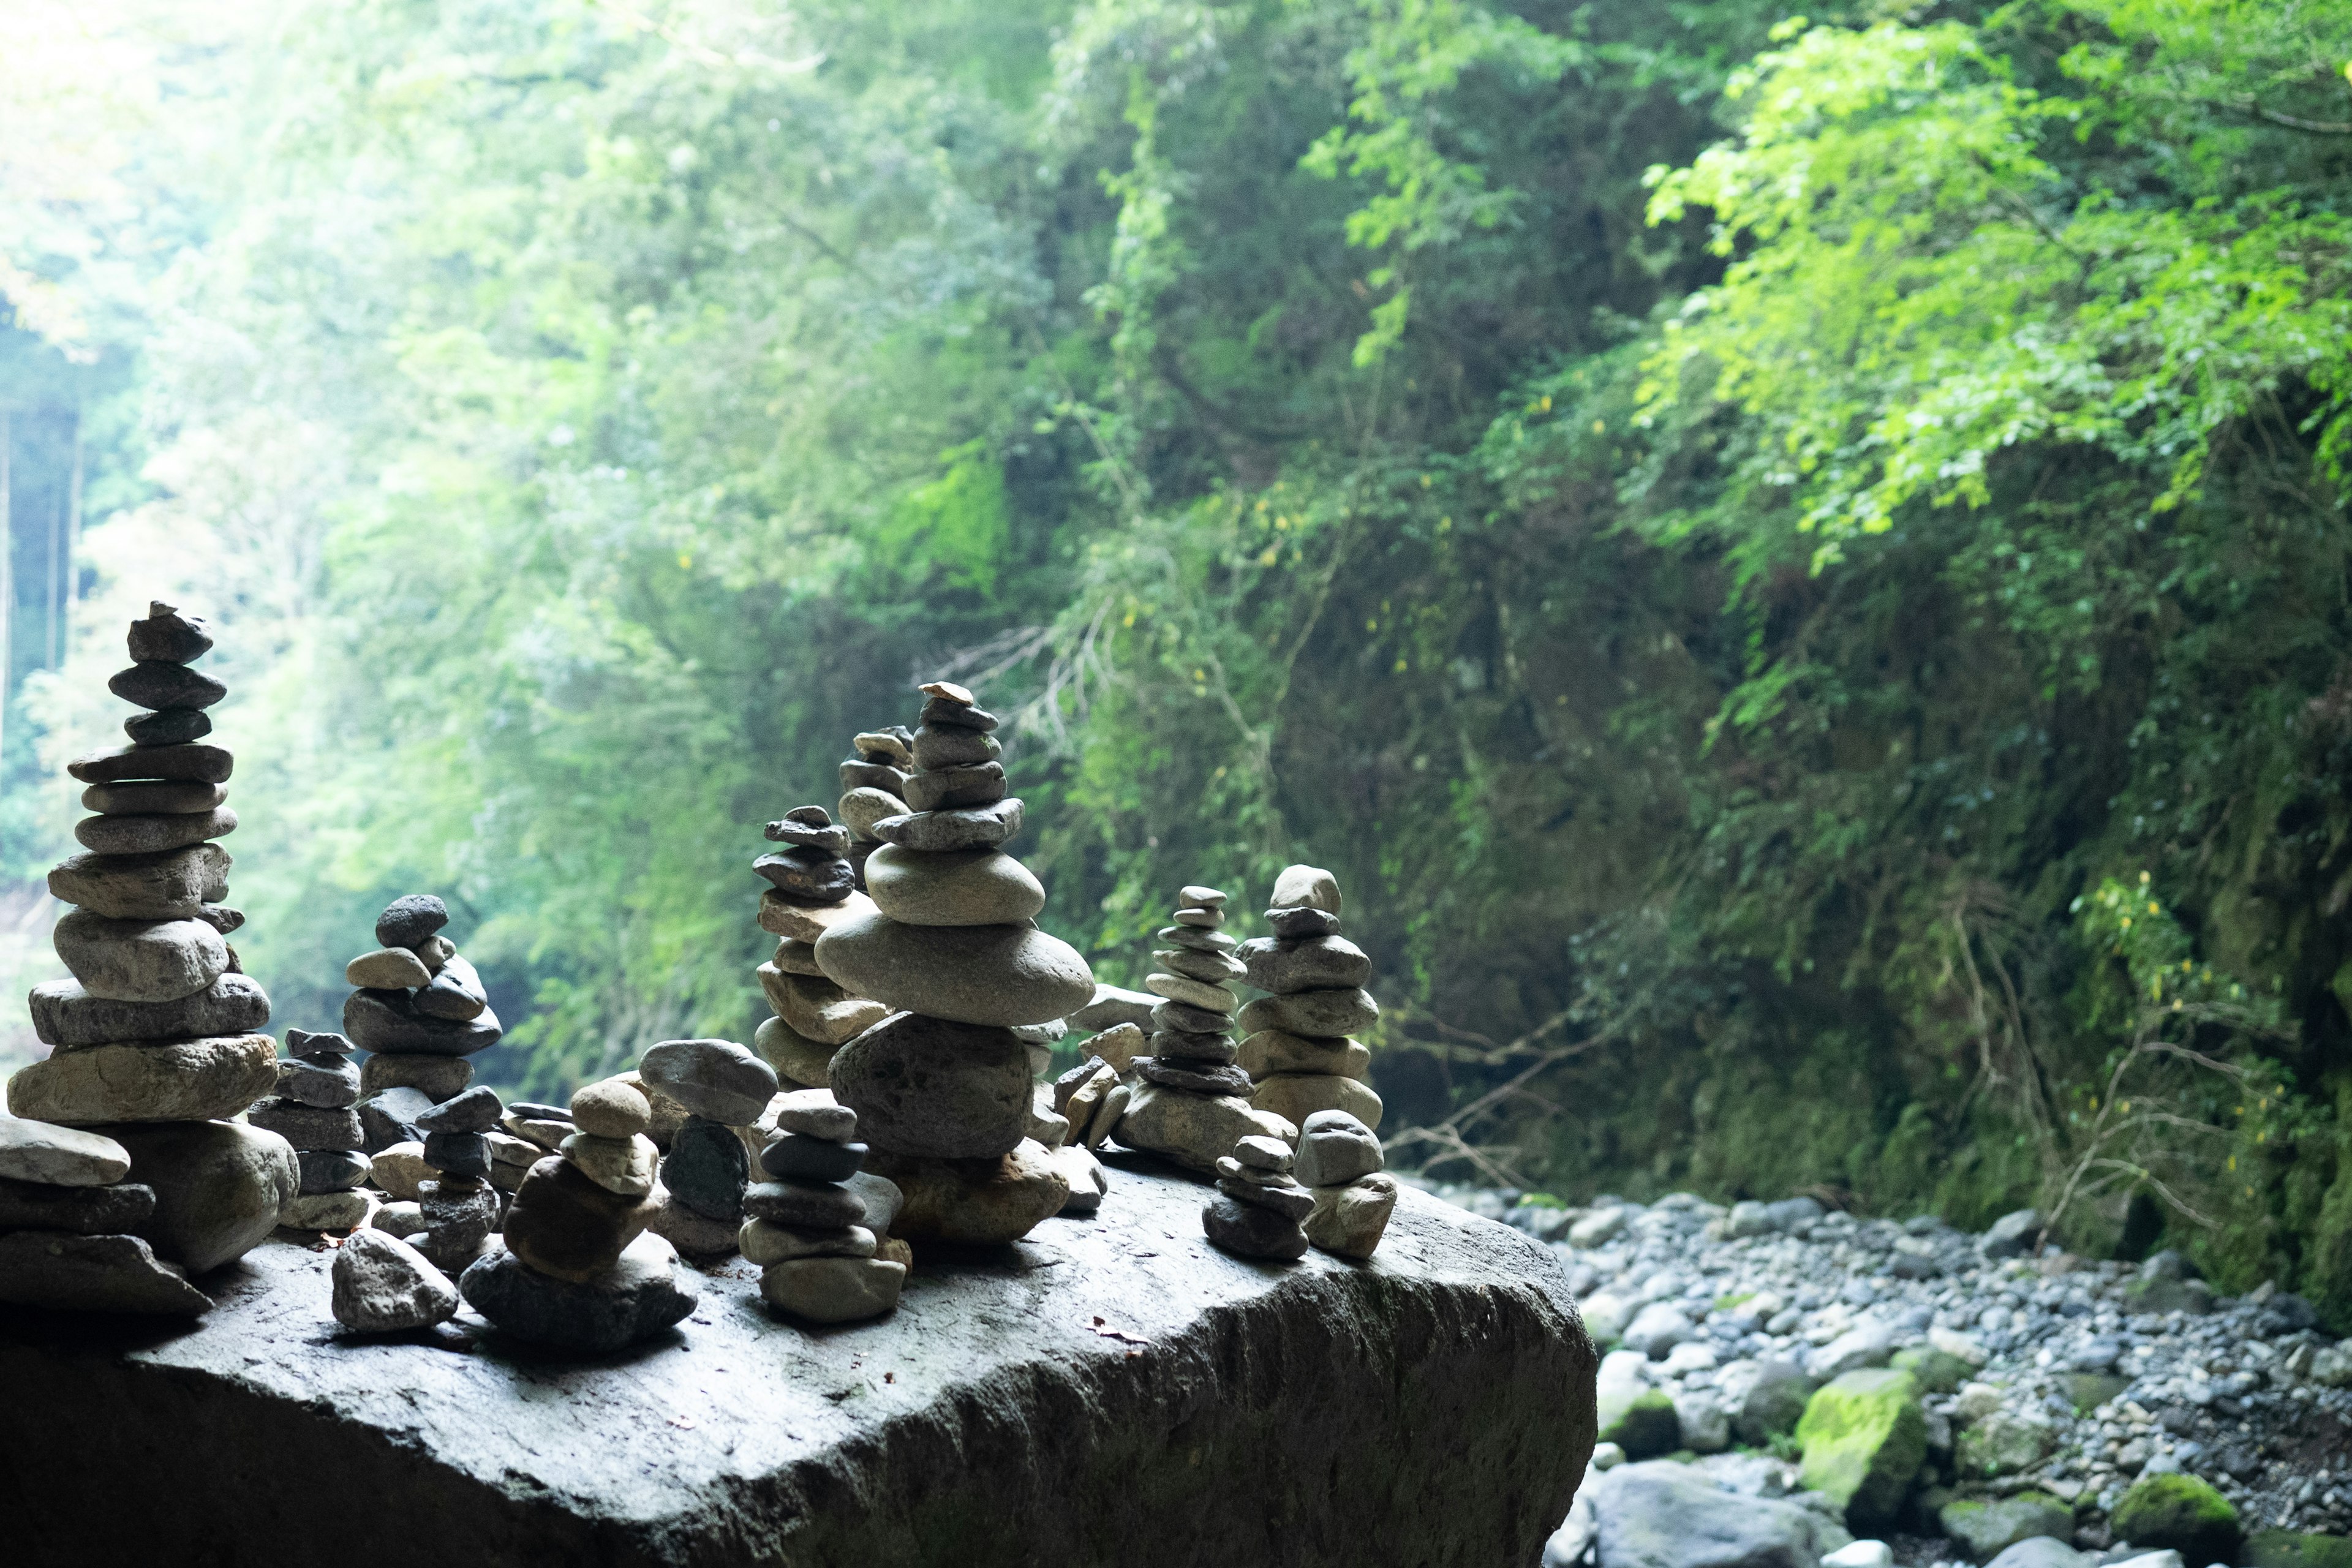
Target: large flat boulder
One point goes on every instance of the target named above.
(1108, 1389)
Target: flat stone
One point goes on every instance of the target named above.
(1119, 1046)
(168, 726)
(93, 1274)
(194, 1080)
(64, 1014)
(410, 919)
(816, 876)
(1001, 974)
(1271, 1051)
(1348, 1221)
(401, 1170)
(815, 1112)
(1314, 964)
(165, 636)
(119, 1208)
(387, 969)
(1334, 1149)
(154, 683)
(389, 1117)
(797, 1156)
(1196, 993)
(306, 1126)
(708, 1169)
(57, 1157)
(384, 1286)
(545, 1125)
(811, 834)
(1198, 938)
(833, 1289)
(139, 960)
(563, 1224)
(797, 1059)
(475, 1109)
(1295, 1096)
(207, 765)
(1169, 1072)
(1196, 1131)
(219, 1186)
(819, 1205)
(1112, 1007)
(693, 1235)
(331, 1083)
(957, 887)
(329, 1170)
(1205, 920)
(1183, 1018)
(1264, 1154)
(623, 1165)
(1211, 968)
(172, 886)
(388, 1022)
(505, 1149)
(796, 958)
(953, 705)
(347, 1208)
(611, 1109)
(639, 1296)
(1248, 1230)
(949, 746)
(885, 777)
(763, 1243)
(944, 789)
(980, 1202)
(1303, 922)
(718, 1080)
(458, 1154)
(924, 1086)
(153, 835)
(1322, 1013)
(1282, 1195)
(814, 1009)
(435, 1077)
(163, 798)
(1306, 887)
(965, 828)
(1314, 1397)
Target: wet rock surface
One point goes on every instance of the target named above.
(1106, 1390)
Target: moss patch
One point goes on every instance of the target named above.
(1644, 1425)
(2291, 1549)
(1863, 1438)
(2179, 1512)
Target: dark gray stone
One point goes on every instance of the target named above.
(707, 1168)
(153, 683)
(203, 765)
(966, 827)
(331, 1170)
(798, 1156)
(167, 636)
(1250, 1230)
(1201, 1078)
(171, 727)
(1774, 1403)
(457, 1154)
(66, 1014)
(309, 1127)
(926, 1086)
(389, 1021)
(409, 919)
(1659, 1514)
(1433, 1407)
(1303, 922)
(330, 1083)
(820, 1206)
(390, 1118)
(812, 876)
(1312, 964)
(636, 1298)
(2010, 1235)
(86, 1210)
(474, 1110)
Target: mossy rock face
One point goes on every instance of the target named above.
(2089, 1390)
(1935, 1371)
(1985, 1529)
(1863, 1437)
(1644, 1425)
(2004, 1442)
(2291, 1549)
(2182, 1513)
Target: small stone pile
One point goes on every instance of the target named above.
(67, 1219)
(941, 1087)
(459, 1207)
(154, 1038)
(1258, 1206)
(1339, 1161)
(723, 1089)
(578, 1269)
(814, 887)
(421, 1011)
(874, 787)
(1297, 1047)
(317, 1087)
(1187, 1100)
(808, 1228)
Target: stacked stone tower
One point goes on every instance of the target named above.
(421, 1010)
(1299, 1048)
(941, 1087)
(811, 886)
(873, 786)
(154, 1038)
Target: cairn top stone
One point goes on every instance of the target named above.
(167, 636)
(949, 691)
(1306, 887)
(889, 745)
(410, 919)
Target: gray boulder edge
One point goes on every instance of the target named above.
(1432, 1406)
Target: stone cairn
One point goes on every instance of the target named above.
(317, 1087)
(153, 1041)
(721, 1090)
(809, 1228)
(1297, 1047)
(1339, 1161)
(1258, 1206)
(576, 1267)
(1187, 1100)
(874, 787)
(420, 1011)
(811, 887)
(942, 1087)
(457, 1208)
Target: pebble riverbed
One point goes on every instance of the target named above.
(2084, 1373)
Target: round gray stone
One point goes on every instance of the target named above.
(1001, 974)
(958, 888)
(140, 961)
(928, 1086)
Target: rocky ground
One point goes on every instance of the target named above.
(2049, 1383)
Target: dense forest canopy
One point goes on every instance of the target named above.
(1795, 565)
